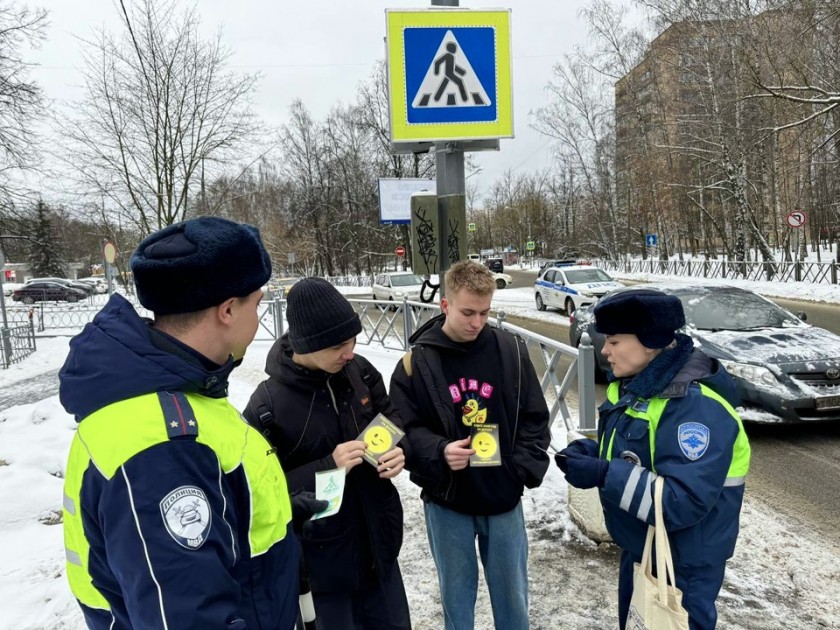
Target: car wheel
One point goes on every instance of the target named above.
(27, 299)
(392, 306)
(500, 284)
(570, 306)
(540, 304)
(72, 298)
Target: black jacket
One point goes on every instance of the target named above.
(313, 412)
(430, 422)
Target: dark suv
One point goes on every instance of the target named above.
(495, 264)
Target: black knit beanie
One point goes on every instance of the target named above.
(319, 316)
(654, 317)
(196, 264)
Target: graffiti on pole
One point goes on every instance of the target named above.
(425, 225)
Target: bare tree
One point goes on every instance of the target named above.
(20, 105)
(580, 118)
(160, 109)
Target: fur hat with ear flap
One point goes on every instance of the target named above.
(654, 317)
(199, 263)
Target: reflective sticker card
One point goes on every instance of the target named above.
(380, 436)
(329, 486)
(484, 440)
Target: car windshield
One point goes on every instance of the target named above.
(406, 280)
(733, 310)
(583, 276)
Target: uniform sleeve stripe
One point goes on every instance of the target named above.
(734, 481)
(224, 515)
(145, 549)
(72, 557)
(630, 488)
(69, 505)
(645, 505)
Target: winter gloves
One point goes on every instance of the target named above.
(304, 505)
(580, 463)
(585, 472)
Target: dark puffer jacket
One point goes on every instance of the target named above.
(313, 412)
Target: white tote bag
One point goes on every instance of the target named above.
(656, 602)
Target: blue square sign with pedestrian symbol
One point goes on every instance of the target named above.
(449, 75)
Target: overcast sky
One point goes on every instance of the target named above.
(320, 51)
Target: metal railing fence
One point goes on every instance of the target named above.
(16, 343)
(559, 367)
(815, 272)
(566, 374)
(350, 281)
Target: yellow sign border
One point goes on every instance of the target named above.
(401, 129)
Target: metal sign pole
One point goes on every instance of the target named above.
(451, 191)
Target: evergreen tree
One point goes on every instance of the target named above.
(45, 255)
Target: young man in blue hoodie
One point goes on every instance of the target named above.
(176, 511)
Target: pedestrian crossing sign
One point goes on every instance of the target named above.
(449, 75)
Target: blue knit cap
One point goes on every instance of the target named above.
(197, 264)
(654, 317)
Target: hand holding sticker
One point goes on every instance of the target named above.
(380, 437)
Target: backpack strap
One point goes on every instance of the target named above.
(406, 361)
(265, 416)
(357, 381)
(509, 347)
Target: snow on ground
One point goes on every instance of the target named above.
(780, 577)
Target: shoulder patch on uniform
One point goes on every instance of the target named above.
(694, 439)
(186, 514)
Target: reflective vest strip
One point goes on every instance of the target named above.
(741, 450)
(740, 464)
(76, 547)
(140, 424)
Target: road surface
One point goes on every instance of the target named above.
(795, 468)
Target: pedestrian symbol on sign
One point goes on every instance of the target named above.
(450, 75)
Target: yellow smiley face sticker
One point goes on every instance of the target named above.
(378, 439)
(484, 445)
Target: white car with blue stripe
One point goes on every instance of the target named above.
(570, 287)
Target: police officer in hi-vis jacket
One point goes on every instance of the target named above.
(670, 412)
(176, 511)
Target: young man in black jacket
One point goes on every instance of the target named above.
(463, 375)
(317, 401)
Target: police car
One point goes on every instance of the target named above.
(572, 286)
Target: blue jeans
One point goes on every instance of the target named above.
(503, 545)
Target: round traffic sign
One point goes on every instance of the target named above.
(400, 250)
(109, 250)
(796, 218)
